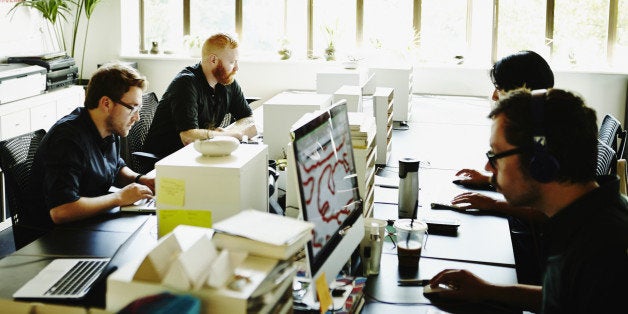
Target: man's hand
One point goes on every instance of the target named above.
(464, 285)
(472, 200)
(133, 193)
(474, 177)
(148, 181)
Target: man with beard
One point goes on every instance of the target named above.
(202, 101)
(544, 155)
(79, 158)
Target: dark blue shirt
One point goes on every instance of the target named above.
(587, 248)
(72, 161)
(191, 103)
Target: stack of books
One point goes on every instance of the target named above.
(362, 128)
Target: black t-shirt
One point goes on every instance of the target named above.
(72, 161)
(587, 249)
(191, 103)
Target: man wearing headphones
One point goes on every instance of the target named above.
(544, 155)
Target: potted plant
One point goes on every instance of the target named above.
(51, 10)
(193, 44)
(284, 49)
(330, 51)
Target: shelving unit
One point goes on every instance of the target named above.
(383, 100)
(365, 153)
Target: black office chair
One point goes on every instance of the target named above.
(606, 159)
(612, 134)
(131, 145)
(16, 158)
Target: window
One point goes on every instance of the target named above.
(334, 22)
(521, 26)
(580, 31)
(209, 17)
(583, 33)
(443, 30)
(388, 25)
(161, 26)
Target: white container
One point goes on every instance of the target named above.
(282, 111)
(223, 185)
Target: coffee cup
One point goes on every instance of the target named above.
(410, 234)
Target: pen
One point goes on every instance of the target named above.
(413, 282)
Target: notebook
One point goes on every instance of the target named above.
(146, 205)
(63, 278)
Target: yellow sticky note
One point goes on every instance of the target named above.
(168, 219)
(171, 191)
(322, 290)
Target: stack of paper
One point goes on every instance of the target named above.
(262, 234)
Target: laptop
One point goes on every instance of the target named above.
(64, 278)
(146, 205)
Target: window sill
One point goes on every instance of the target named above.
(296, 61)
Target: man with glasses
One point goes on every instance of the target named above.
(547, 160)
(202, 101)
(79, 158)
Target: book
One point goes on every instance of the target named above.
(262, 234)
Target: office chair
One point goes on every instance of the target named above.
(606, 159)
(131, 145)
(612, 134)
(16, 158)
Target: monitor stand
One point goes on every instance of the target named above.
(304, 298)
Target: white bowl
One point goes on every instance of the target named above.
(217, 146)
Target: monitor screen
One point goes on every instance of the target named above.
(327, 180)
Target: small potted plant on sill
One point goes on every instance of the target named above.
(284, 49)
(330, 51)
(193, 43)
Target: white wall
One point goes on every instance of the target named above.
(606, 92)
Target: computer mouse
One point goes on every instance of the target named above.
(216, 146)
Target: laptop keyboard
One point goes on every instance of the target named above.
(78, 278)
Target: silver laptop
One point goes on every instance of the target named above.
(64, 278)
(146, 205)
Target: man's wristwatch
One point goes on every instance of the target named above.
(137, 179)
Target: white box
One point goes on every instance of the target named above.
(353, 95)
(282, 111)
(328, 80)
(223, 185)
(398, 77)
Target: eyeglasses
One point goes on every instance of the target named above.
(492, 157)
(134, 109)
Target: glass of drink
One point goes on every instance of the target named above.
(410, 234)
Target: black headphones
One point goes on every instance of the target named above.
(543, 166)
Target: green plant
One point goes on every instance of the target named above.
(192, 41)
(53, 11)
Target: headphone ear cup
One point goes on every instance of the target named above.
(543, 166)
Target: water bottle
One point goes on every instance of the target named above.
(376, 251)
(408, 187)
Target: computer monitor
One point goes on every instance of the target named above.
(328, 190)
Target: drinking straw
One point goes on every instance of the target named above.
(416, 206)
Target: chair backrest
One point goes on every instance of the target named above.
(610, 132)
(16, 158)
(135, 140)
(606, 159)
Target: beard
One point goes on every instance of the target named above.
(221, 75)
(118, 129)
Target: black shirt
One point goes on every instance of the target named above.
(587, 248)
(72, 161)
(191, 103)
